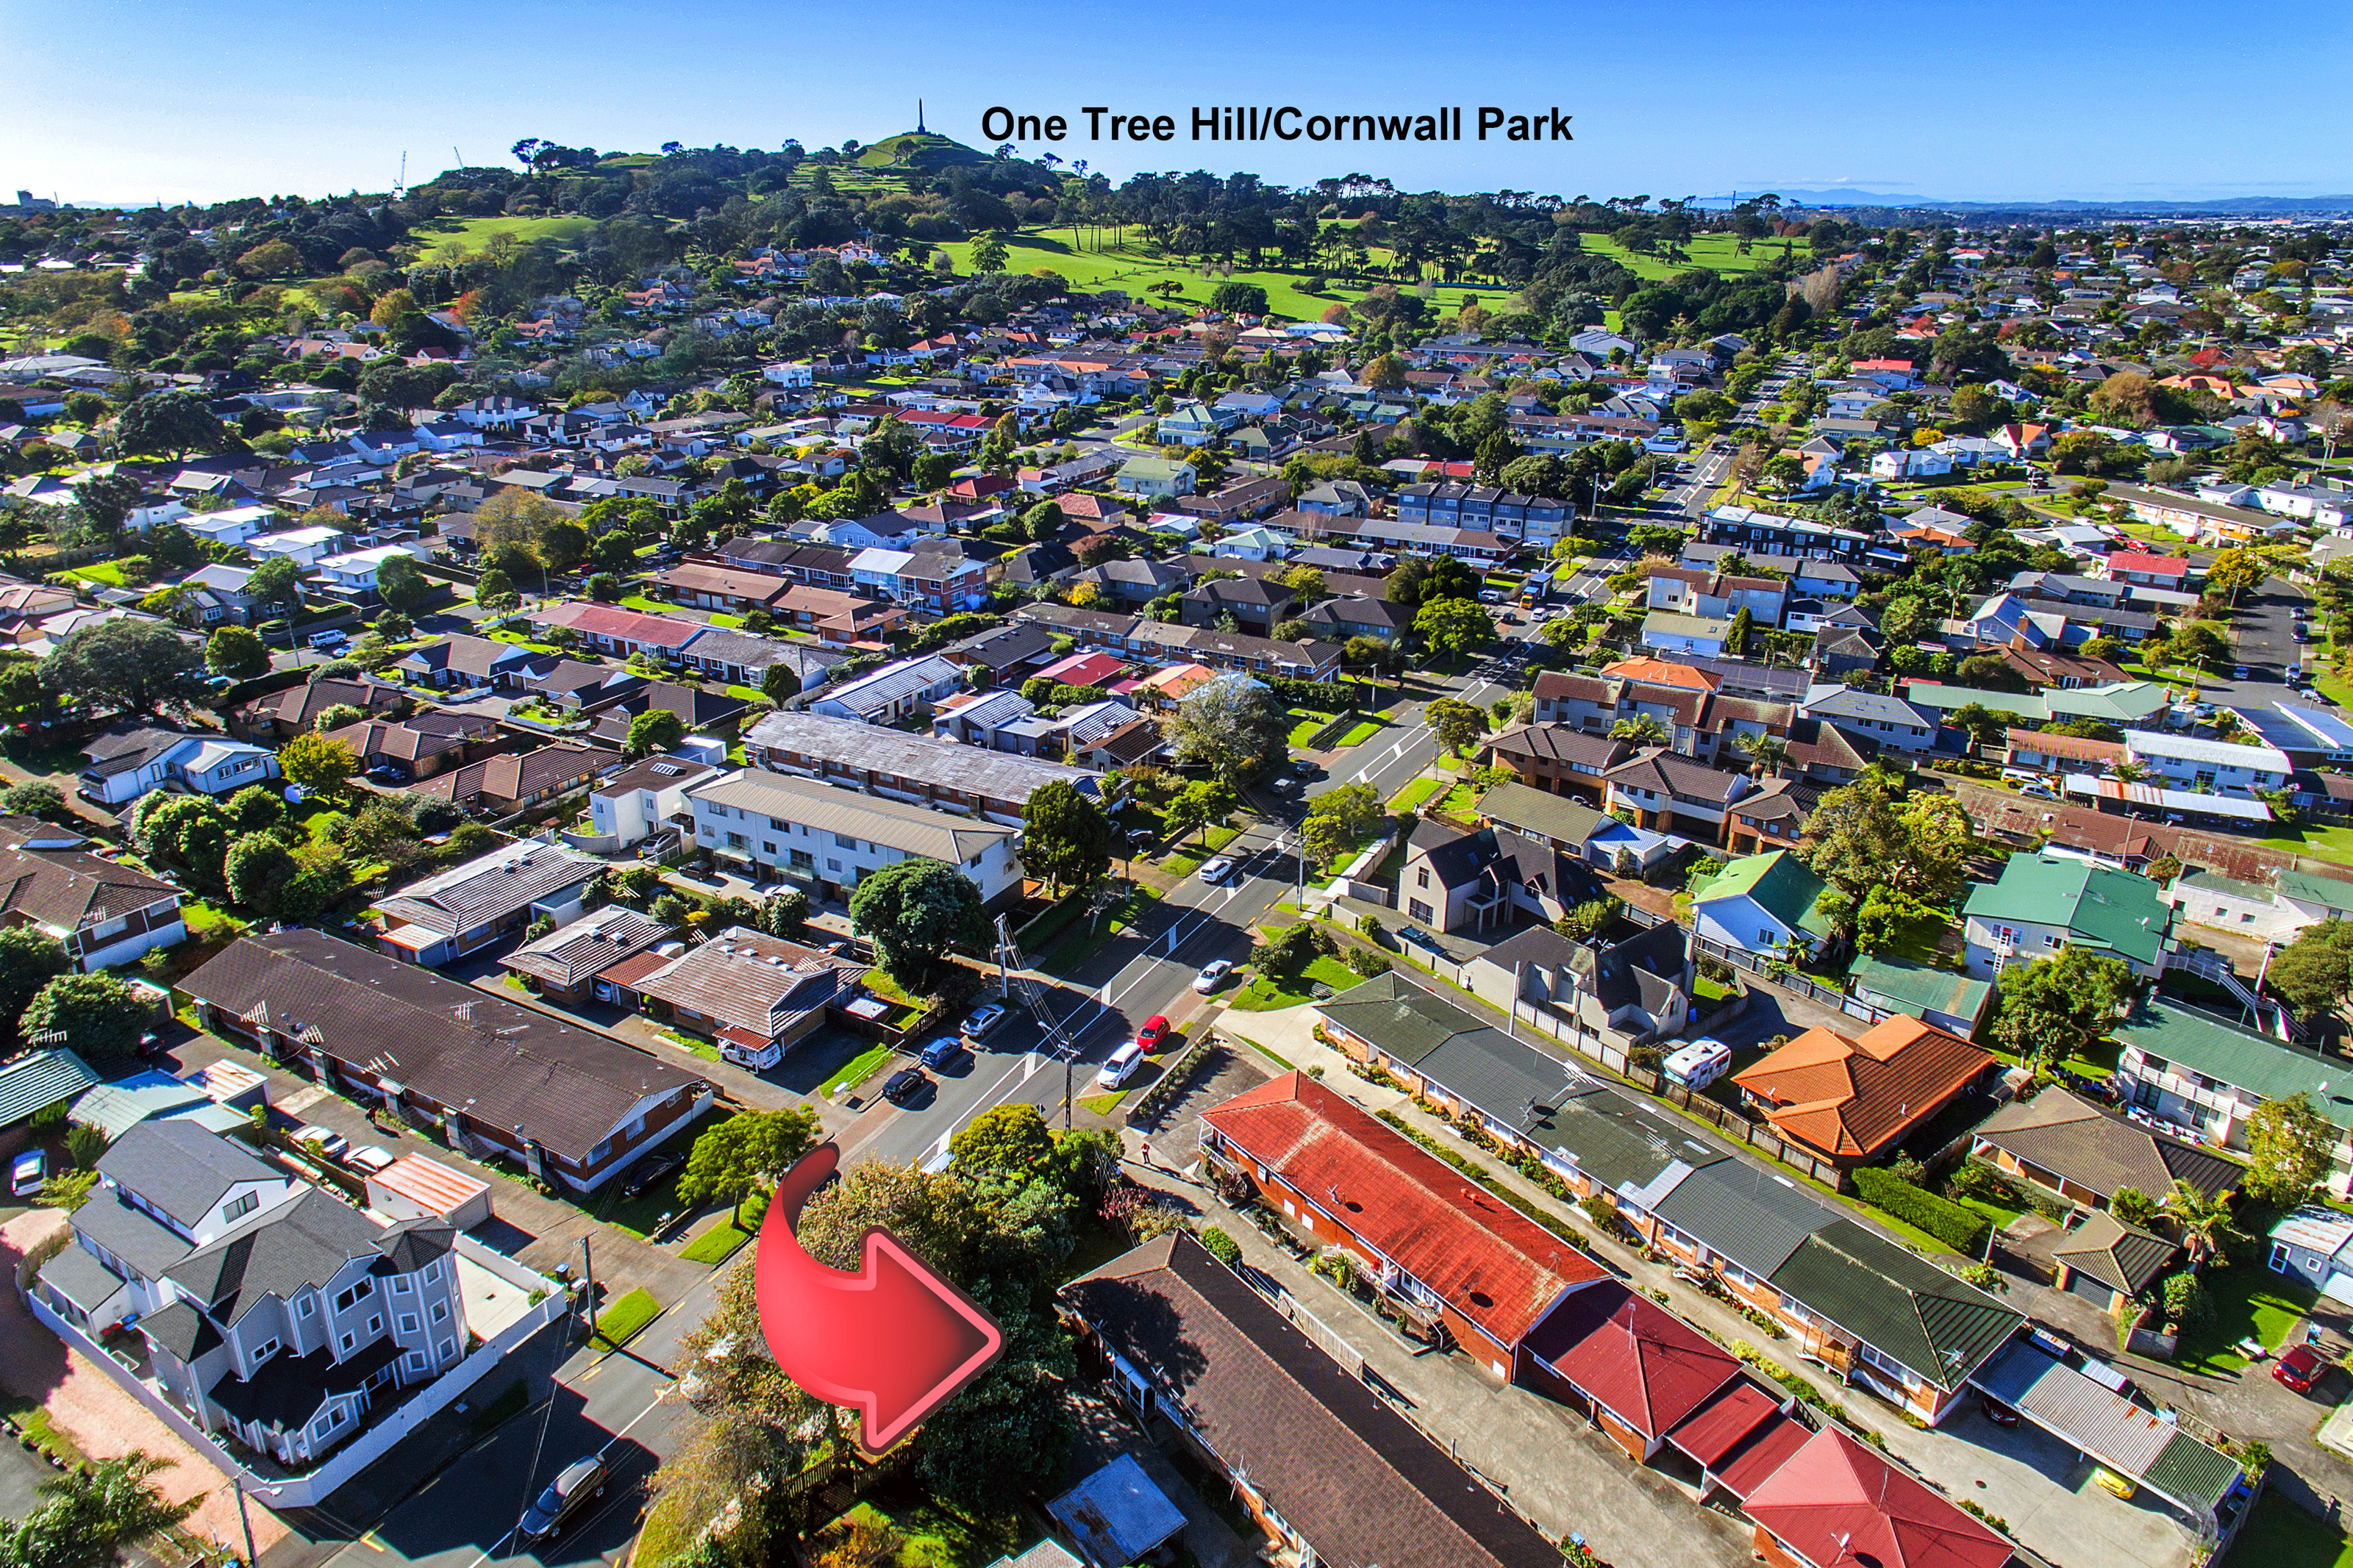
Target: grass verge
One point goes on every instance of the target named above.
(718, 1244)
(857, 1071)
(2282, 1536)
(1267, 993)
(1414, 793)
(626, 1317)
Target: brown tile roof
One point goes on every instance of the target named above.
(299, 706)
(759, 983)
(1662, 772)
(568, 1087)
(2075, 1139)
(1559, 743)
(1346, 1471)
(1854, 1096)
(46, 877)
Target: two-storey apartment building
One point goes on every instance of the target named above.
(825, 837)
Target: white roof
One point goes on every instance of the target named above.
(296, 538)
(2314, 1229)
(2221, 753)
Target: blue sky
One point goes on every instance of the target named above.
(2094, 99)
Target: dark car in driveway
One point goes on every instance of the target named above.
(649, 1170)
(905, 1085)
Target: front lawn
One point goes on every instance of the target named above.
(932, 1534)
(2314, 839)
(2282, 1536)
(1267, 993)
(1305, 722)
(2248, 1300)
(1414, 793)
(1185, 862)
(627, 1316)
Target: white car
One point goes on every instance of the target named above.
(984, 1017)
(326, 1140)
(26, 1171)
(1217, 969)
(371, 1158)
(1217, 870)
(1121, 1066)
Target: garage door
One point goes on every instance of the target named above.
(2081, 1284)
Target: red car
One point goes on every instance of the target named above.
(1154, 1031)
(2299, 1368)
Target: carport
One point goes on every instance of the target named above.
(2111, 1430)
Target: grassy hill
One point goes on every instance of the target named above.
(923, 150)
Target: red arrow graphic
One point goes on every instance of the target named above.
(895, 1340)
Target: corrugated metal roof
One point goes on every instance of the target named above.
(2108, 1427)
(1750, 1215)
(43, 1078)
(828, 808)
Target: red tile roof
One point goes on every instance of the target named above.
(1854, 1096)
(2123, 560)
(1485, 1260)
(1726, 1420)
(1763, 1452)
(1648, 1366)
(1837, 1501)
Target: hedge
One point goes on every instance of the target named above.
(1960, 1228)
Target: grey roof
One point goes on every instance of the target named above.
(1754, 1217)
(180, 1168)
(282, 1251)
(1537, 813)
(288, 1390)
(179, 1328)
(2110, 1428)
(746, 648)
(952, 836)
(133, 1235)
(1005, 646)
(2118, 1255)
(1405, 1021)
(847, 743)
(80, 1279)
(487, 888)
(597, 941)
(1459, 859)
(893, 683)
(40, 1079)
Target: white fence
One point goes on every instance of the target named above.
(314, 1487)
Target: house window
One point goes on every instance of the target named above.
(401, 1287)
(307, 1306)
(346, 1342)
(238, 1207)
(417, 1360)
(263, 1352)
(356, 1293)
(1419, 910)
(1422, 877)
(407, 1322)
(440, 1311)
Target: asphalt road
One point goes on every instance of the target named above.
(2264, 640)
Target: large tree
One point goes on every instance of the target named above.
(746, 1153)
(1453, 625)
(236, 652)
(915, 912)
(135, 666)
(29, 959)
(1065, 837)
(2052, 1008)
(1865, 835)
(1203, 803)
(1339, 819)
(89, 1518)
(2288, 1147)
(322, 765)
(169, 424)
(2313, 974)
(401, 584)
(277, 584)
(1231, 725)
(98, 1014)
(655, 730)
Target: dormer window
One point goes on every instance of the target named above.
(236, 1208)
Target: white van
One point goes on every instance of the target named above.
(327, 639)
(1698, 1064)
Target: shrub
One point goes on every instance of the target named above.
(1370, 925)
(1368, 963)
(1602, 1212)
(1221, 1246)
(1971, 1180)
(1963, 1230)
(2186, 1302)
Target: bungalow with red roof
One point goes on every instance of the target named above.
(1852, 1099)
(1094, 668)
(1460, 1263)
(2147, 570)
(1632, 1366)
(1835, 1501)
(608, 628)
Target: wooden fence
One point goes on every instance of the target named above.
(1757, 1135)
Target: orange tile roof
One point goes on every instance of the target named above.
(1659, 672)
(1855, 1097)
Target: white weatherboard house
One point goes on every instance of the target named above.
(1762, 904)
(2046, 902)
(2218, 766)
(825, 838)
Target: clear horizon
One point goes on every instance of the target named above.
(1997, 104)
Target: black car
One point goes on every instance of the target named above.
(904, 1085)
(1997, 1412)
(649, 1170)
(581, 1480)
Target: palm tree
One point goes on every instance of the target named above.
(1643, 730)
(2204, 1222)
(1766, 753)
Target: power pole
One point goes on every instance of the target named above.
(246, 1522)
(588, 1275)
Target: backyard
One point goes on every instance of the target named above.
(2282, 1536)
(2248, 1300)
(1265, 993)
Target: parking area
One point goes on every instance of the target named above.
(2044, 1490)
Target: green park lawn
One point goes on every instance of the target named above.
(1305, 721)
(1134, 269)
(1717, 252)
(626, 1316)
(859, 1069)
(1187, 861)
(2312, 838)
(468, 236)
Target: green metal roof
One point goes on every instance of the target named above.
(1896, 1301)
(2132, 699)
(2114, 910)
(2186, 1467)
(1918, 989)
(2207, 881)
(2326, 892)
(2262, 1065)
(1947, 698)
(1779, 881)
